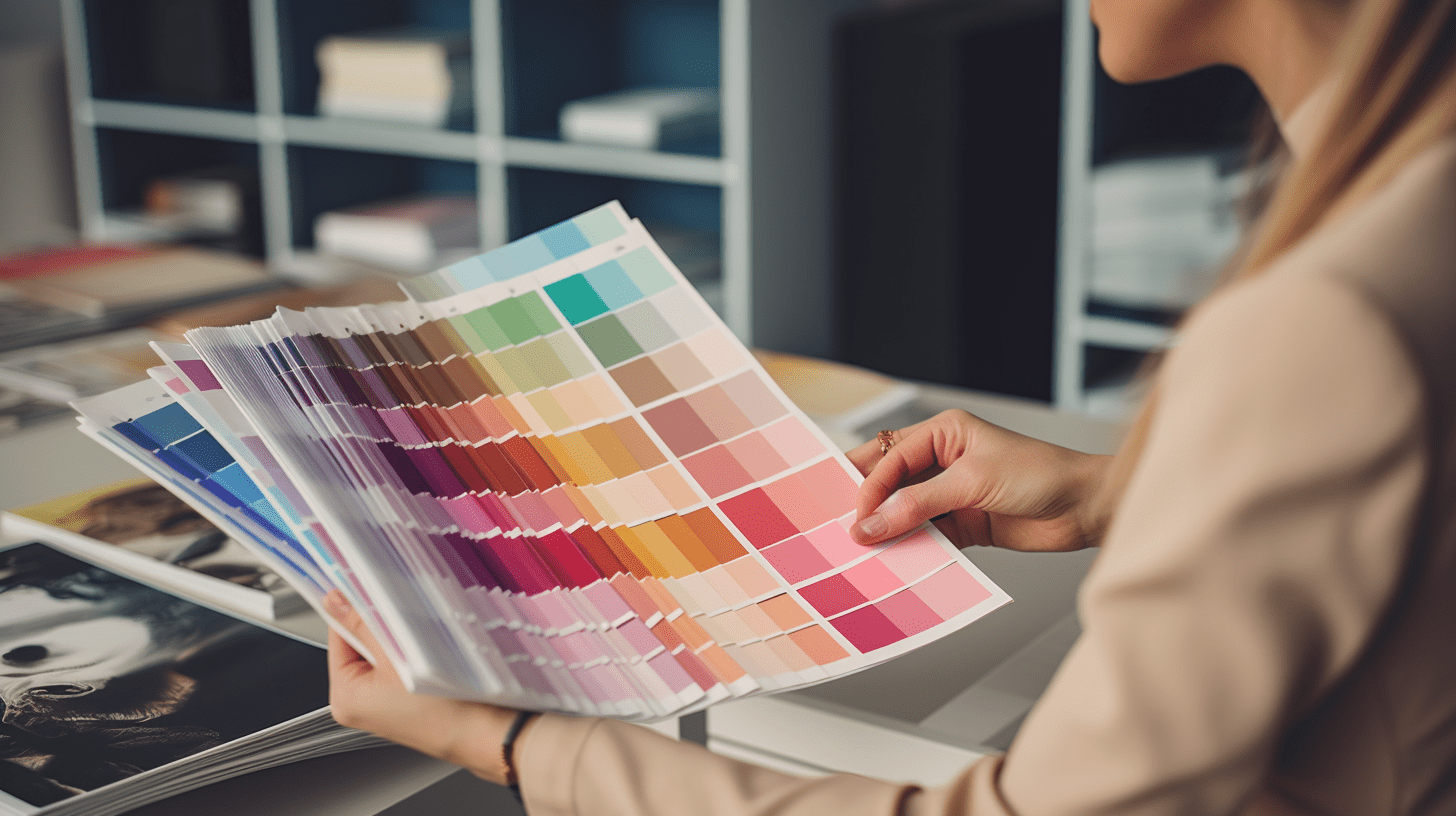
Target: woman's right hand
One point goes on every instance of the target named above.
(988, 485)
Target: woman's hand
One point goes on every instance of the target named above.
(372, 698)
(992, 487)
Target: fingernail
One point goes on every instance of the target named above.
(336, 603)
(871, 527)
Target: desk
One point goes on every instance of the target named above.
(872, 723)
(54, 459)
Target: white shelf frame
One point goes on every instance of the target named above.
(1074, 214)
(773, 171)
(1129, 335)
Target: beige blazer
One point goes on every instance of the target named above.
(1271, 625)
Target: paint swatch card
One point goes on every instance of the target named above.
(553, 479)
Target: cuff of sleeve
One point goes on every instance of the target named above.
(546, 760)
(975, 792)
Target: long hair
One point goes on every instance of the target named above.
(1393, 95)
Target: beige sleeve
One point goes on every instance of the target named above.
(1259, 541)
(1254, 550)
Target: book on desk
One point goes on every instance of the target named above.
(67, 292)
(139, 529)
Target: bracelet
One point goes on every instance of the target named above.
(508, 745)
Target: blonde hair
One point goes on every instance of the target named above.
(1394, 95)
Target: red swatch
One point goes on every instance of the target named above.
(758, 518)
(868, 629)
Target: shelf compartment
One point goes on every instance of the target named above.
(325, 179)
(600, 46)
(177, 52)
(685, 218)
(131, 160)
(1209, 109)
(1130, 335)
(549, 154)
(303, 24)
(1113, 384)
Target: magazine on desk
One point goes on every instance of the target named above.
(117, 694)
(139, 528)
(551, 478)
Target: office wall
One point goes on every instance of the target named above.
(27, 20)
(37, 201)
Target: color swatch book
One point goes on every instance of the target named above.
(551, 478)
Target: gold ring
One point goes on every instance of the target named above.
(886, 439)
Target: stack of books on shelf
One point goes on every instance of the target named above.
(551, 478)
(1161, 229)
(643, 118)
(415, 234)
(415, 75)
(215, 207)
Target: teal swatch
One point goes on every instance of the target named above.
(564, 239)
(612, 285)
(576, 299)
(646, 271)
(599, 226)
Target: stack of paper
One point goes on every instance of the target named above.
(645, 118)
(1161, 228)
(137, 694)
(405, 74)
(552, 479)
(411, 234)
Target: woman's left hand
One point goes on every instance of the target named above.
(372, 698)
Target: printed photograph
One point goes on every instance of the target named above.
(102, 678)
(145, 518)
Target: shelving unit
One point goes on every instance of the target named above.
(1101, 120)
(763, 186)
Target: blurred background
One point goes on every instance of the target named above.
(945, 191)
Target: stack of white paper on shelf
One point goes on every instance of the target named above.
(413, 234)
(1161, 227)
(411, 75)
(646, 118)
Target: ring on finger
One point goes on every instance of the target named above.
(886, 438)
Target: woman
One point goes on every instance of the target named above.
(1268, 629)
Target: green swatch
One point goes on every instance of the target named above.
(488, 330)
(541, 316)
(609, 341)
(569, 353)
(513, 320)
(519, 369)
(542, 359)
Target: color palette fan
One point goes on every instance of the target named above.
(551, 478)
